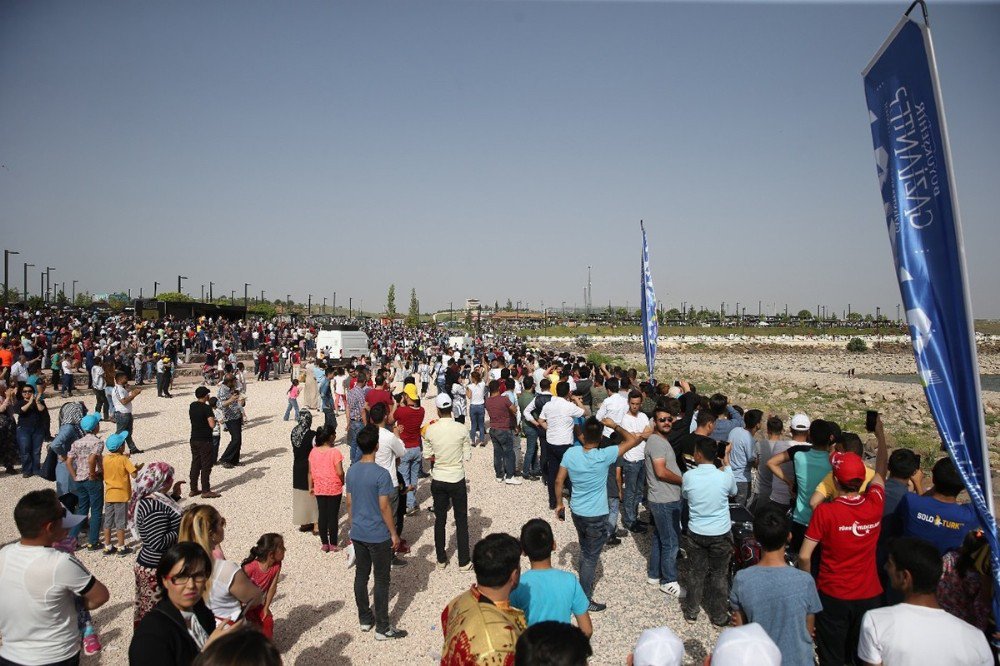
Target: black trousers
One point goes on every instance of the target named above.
(329, 514)
(377, 556)
(707, 580)
(838, 628)
(72, 661)
(445, 496)
(202, 459)
(231, 455)
(102, 406)
(552, 460)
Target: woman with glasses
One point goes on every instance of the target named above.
(181, 624)
(31, 427)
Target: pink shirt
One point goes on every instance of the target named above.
(293, 392)
(323, 467)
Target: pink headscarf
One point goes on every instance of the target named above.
(154, 480)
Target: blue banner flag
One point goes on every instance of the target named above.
(650, 327)
(913, 162)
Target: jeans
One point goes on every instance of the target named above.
(503, 453)
(202, 459)
(124, 421)
(329, 418)
(838, 628)
(111, 403)
(328, 507)
(91, 494)
(666, 540)
(379, 557)
(531, 466)
(216, 440)
(634, 478)
(65, 483)
(592, 532)
(445, 496)
(102, 406)
(29, 444)
(612, 516)
(353, 428)
(293, 404)
(67, 384)
(231, 456)
(409, 468)
(477, 419)
(742, 492)
(553, 458)
(708, 576)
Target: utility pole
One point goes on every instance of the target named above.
(140, 292)
(179, 278)
(232, 297)
(202, 293)
(246, 300)
(897, 313)
(48, 283)
(73, 297)
(210, 285)
(262, 297)
(589, 291)
(324, 305)
(26, 267)
(350, 307)
(6, 259)
(334, 303)
(309, 309)
(155, 285)
(759, 313)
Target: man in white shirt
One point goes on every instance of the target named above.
(387, 456)
(556, 420)
(918, 631)
(19, 371)
(614, 407)
(40, 586)
(633, 465)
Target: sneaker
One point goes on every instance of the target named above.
(596, 607)
(513, 481)
(673, 589)
(465, 568)
(334, 548)
(91, 644)
(403, 548)
(110, 550)
(325, 548)
(442, 566)
(194, 493)
(613, 541)
(653, 581)
(636, 528)
(125, 550)
(93, 546)
(620, 533)
(367, 627)
(390, 634)
(690, 620)
(208, 494)
(397, 562)
(499, 479)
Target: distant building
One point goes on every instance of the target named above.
(472, 304)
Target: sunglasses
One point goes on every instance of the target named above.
(665, 419)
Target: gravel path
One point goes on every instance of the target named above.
(315, 615)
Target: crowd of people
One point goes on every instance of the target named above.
(800, 540)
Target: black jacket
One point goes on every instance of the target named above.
(162, 638)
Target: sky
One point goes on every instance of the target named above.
(487, 150)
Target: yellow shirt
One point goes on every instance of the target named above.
(826, 485)
(118, 471)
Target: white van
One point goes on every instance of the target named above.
(459, 341)
(341, 344)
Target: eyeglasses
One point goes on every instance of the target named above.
(184, 579)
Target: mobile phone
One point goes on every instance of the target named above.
(870, 419)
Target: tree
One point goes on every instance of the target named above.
(854, 316)
(805, 314)
(468, 320)
(672, 313)
(390, 301)
(61, 298)
(496, 306)
(173, 297)
(510, 304)
(413, 317)
(83, 299)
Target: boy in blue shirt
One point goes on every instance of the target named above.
(544, 593)
(936, 516)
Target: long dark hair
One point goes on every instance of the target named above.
(242, 647)
(188, 552)
(266, 544)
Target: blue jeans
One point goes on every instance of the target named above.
(124, 422)
(292, 404)
(666, 540)
(353, 428)
(91, 494)
(65, 483)
(409, 468)
(477, 417)
(612, 516)
(504, 460)
(29, 444)
(531, 457)
(634, 478)
(592, 532)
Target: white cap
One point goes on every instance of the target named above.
(674, 392)
(658, 647)
(748, 645)
(443, 401)
(800, 422)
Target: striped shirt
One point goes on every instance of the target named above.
(158, 526)
(356, 402)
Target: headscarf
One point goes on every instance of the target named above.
(72, 413)
(301, 428)
(154, 478)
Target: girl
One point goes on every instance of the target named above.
(293, 400)
(326, 482)
(458, 392)
(263, 567)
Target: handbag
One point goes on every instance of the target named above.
(48, 471)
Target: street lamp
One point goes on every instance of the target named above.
(324, 305)
(309, 307)
(155, 286)
(232, 297)
(179, 278)
(26, 267)
(262, 297)
(48, 282)
(210, 286)
(246, 299)
(73, 297)
(6, 256)
(203, 293)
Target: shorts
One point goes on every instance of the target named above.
(115, 515)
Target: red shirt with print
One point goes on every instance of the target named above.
(848, 529)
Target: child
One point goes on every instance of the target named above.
(545, 593)
(84, 621)
(118, 474)
(213, 402)
(293, 400)
(84, 464)
(326, 482)
(263, 567)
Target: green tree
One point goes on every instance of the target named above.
(510, 304)
(35, 302)
(854, 316)
(265, 310)
(805, 314)
(83, 299)
(61, 298)
(468, 320)
(173, 297)
(672, 313)
(390, 301)
(413, 317)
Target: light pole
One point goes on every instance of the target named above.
(262, 297)
(26, 266)
(48, 282)
(232, 297)
(350, 307)
(309, 306)
(6, 258)
(210, 286)
(335, 304)
(324, 305)
(156, 286)
(202, 293)
(73, 297)
(246, 299)
(179, 278)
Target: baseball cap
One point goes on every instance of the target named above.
(658, 647)
(115, 441)
(674, 392)
(748, 645)
(847, 467)
(800, 422)
(443, 401)
(89, 422)
(411, 392)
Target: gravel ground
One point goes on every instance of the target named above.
(315, 615)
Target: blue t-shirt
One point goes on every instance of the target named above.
(549, 594)
(707, 491)
(942, 523)
(778, 599)
(366, 482)
(588, 470)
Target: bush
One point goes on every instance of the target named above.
(857, 345)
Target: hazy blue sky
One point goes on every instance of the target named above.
(474, 149)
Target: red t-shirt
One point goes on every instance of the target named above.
(848, 529)
(376, 396)
(411, 418)
(498, 407)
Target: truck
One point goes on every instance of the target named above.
(341, 342)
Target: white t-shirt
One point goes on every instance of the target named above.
(558, 414)
(339, 382)
(37, 609)
(635, 425)
(477, 393)
(905, 634)
(614, 407)
(494, 373)
(390, 447)
(118, 394)
(220, 600)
